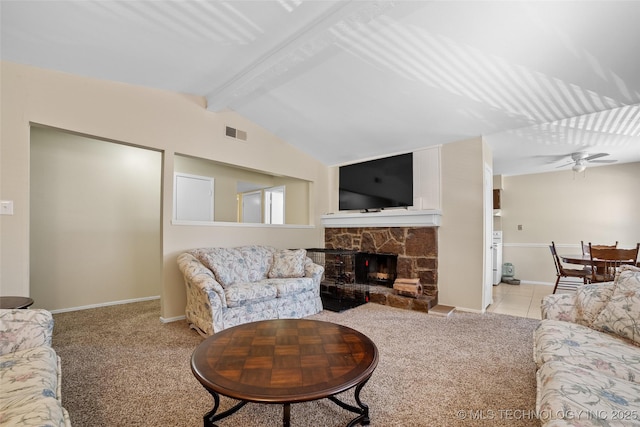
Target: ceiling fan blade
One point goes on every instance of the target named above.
(550, 158)
(603, 161)
(595, 156)
(565, 164)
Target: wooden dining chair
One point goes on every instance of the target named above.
(606, 262)
(563, 273)
(585, 246)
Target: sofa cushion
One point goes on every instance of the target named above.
(556, 340)
(240, 294)
(288, 263)
(620, 314)
(590, 300)
(28, 374)
(227, 264)
(296, 285)
(585, 397)
(263, 310)
(258, 261)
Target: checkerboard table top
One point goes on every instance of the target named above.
(285, 360)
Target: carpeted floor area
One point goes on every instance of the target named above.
(123, 367)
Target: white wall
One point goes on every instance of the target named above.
(600, 206)
(168, 122)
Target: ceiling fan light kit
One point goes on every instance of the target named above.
(580, 166)
(580, 160)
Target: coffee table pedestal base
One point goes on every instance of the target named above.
(363, 410)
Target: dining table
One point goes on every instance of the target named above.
(582, 259)
(585, 259)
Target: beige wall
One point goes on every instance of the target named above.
(169, 122)
(101, 202)
(600, 206)
(461, 245)
(296, 199)
(177, 123)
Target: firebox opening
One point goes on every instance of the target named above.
(348, 274)
(376, 268)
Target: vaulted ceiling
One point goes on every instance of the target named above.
(352, 80)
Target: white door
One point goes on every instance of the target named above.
(487, 294)
(252, 207)
(193, 197)
(274, 205)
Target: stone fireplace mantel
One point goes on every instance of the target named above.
(384, 218)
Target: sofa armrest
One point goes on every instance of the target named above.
(201, 277)
(205, 296)
(559, 307)
(21, 329)
(313, 270)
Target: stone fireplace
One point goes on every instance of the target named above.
(416, 248)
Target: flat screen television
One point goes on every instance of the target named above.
(377, 184)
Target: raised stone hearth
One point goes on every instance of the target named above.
(387, 296)
(417, 250)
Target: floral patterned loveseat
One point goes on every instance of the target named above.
(587, 349)
(231, 286)
(30, 375)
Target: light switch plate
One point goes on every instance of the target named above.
(6, 207)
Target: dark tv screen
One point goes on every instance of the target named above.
(377, 184)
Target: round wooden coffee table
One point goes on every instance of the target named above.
(285, 361)
(15, 302)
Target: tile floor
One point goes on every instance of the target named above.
(521, 300)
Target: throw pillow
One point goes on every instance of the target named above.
(628, 267)
(621, 315)
(590, 300)
(288, 263)
(258, 260)
(625, 267)
(227, 264)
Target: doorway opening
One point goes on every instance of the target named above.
(95, 220)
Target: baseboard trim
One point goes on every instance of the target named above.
(172, 319)
(470, 310)
(541, 245)
(104, 304)
(532, 282)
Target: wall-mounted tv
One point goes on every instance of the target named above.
(377, 184)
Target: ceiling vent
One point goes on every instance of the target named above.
(236, 133)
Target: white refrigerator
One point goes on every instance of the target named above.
(497, 257)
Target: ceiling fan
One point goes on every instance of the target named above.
(579, 160)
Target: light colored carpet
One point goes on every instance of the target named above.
(122, 367)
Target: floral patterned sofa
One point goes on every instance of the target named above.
(231, 286)
(587, 349)
(30, 375)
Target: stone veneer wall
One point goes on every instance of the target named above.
(416, 247)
